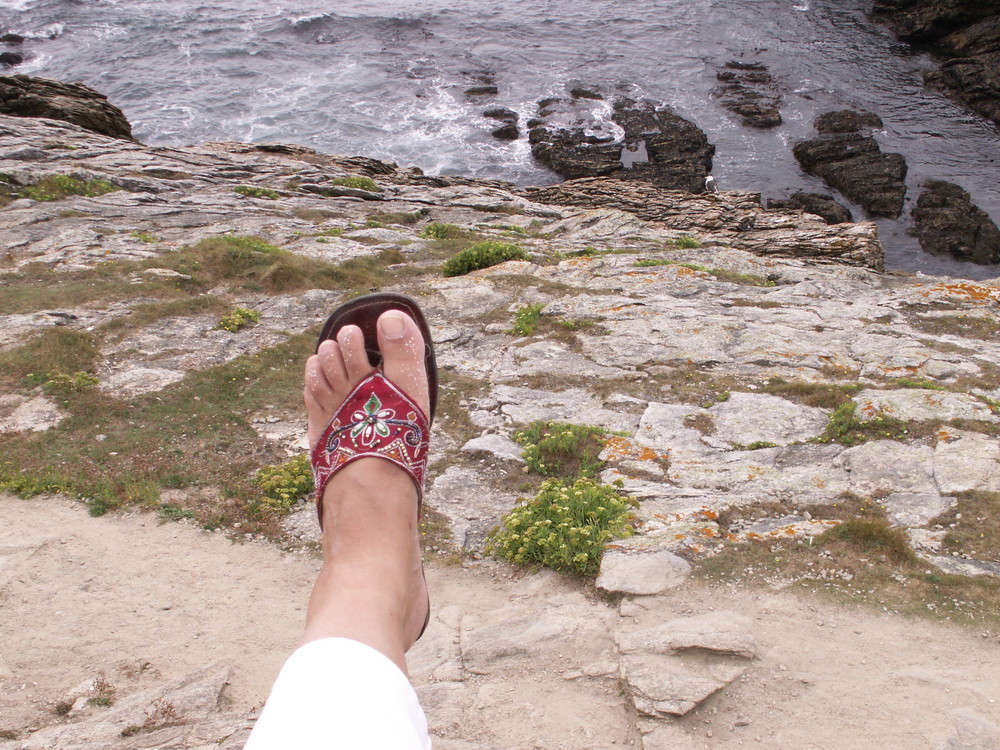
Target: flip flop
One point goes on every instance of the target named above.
(377, 419)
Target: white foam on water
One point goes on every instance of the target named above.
(17, 5)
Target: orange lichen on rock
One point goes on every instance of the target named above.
(618, 448)
(965, 290)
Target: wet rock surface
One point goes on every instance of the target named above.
(589, 136)
(814, 203)
(946, 221)
(747, 89)
(965, 35)
(853, 163)
(23, 96)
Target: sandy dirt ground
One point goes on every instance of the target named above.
(140, 602)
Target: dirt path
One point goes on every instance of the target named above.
(140, 602)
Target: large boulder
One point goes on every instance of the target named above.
(853, 163)
(22, 96)
(965, 34)
(946, 221)
(584, 136)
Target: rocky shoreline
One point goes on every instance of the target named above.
(760, 379)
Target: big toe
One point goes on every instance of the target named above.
(402, 347)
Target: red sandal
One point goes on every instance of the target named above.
(377, 419)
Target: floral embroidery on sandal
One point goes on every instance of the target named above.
(376, 420)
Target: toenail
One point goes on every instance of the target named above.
(392, 325)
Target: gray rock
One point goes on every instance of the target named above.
(648, 573)
(663, 686)
(916, 404)
(972, 732)
(717, 632)
(497, 445)
(667, 737)
(472, 507)
(914, 509)
(746, 418)
(28, 415)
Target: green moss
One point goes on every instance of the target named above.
(482, 255)
(358, 183)
(56, 187)
(251, 191)
(683, 242)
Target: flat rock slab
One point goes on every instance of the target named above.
(717, 632)
(747, 418)
(921, 404)
(644, 573)
(37, 414)
(667, 686)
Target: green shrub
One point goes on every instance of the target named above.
(438, 231)
(482, 255)
(239, 318)
(285, 484)
(252, 191)
(526, 319)
(359, 183)
(565, 526)
(61, 383)
(56, 187)
(562, 449)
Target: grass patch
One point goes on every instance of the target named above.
(685, 242)
(763, 304)
(438, 231)
(526, 319)
(252, 191)
(562, 449)
(872, 536)
(482, 255)
(396, 217)
(50, 353)
(146, 237)
(807, 393)
(565, 526)
(59, 186)
(202, 424)
(918, 383)
(149, 312)
(973, 525)
(358, 183)
(845, 428)
(966, 326)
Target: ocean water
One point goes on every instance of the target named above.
(387, 79)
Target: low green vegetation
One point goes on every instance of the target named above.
(239, 318)
(283, 485)
(146, 237)
(562, 449)
(396, 217)
(252, 191)
(482, 255)
(684, 242)
(358, 183)
(438, 231)
(526, 319)
(59, 186)
(565, 526)
(845, 428)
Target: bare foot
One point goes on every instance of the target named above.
(371, 587)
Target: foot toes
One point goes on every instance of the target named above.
(402, 348)
(352, 349)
